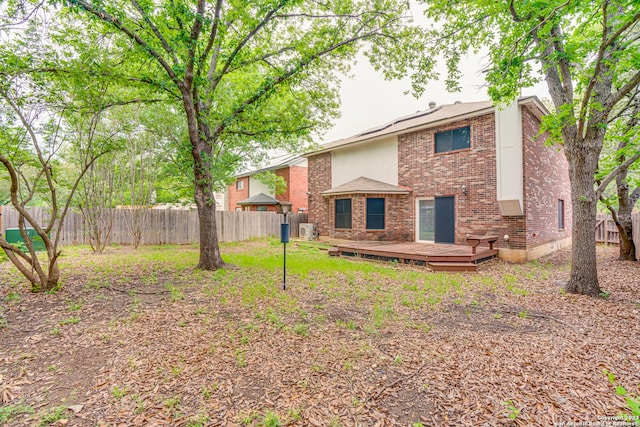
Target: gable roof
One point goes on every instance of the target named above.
(259, 199)
(276, 163)
(434, 116)
(364, 185)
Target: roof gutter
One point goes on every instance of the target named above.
(401, 131)
(530, 101)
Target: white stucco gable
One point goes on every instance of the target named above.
(376, 160)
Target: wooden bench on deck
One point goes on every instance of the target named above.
(475, 241)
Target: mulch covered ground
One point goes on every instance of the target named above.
(154, 346)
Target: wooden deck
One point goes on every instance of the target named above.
(434, 255)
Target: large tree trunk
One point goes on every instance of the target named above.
(624, 221)
(210, 258)
(54, 276)
(584, 274)
(627, 247)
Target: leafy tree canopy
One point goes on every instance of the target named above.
(588, 54)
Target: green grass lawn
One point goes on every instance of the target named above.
(141, 336)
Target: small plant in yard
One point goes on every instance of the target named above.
(418, 424)
(12, 411)
(421, 326)
(380, 314)
(301, 329)
(511, 411)
(241, 359)
(272, 317)
(139, 405)
(13, 297)
(176, 294)
(199, 421)
(295, 414)
(74, 305)
(52, 416)
(249, 418)
(118, 392)
(271, 419)
(69, 321)
(523, 314)
(398, 360)
(347, 325)
(135, 301)
(207, 391)
(633, 402)
(177, 370)
(171, 402)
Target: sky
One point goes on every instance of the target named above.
(368, 100)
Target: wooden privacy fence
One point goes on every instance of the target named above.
(607, 231)
(166, 226)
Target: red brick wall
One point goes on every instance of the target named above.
(319, 181)
(444, 174)
(237, 195)
(546, 179)
(297, 187)
(397, 227)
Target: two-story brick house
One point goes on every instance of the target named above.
(251, 194)
(445, 173)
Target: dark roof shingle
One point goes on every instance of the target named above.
(364, 185)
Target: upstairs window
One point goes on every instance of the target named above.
(452, 140)
(375, 213)
(343, 213)
(239, 185)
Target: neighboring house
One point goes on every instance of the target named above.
(250, 194)
(443, 174)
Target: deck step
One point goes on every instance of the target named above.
(334, 251)
(452, 266)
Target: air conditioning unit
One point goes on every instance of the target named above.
(306, 231)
